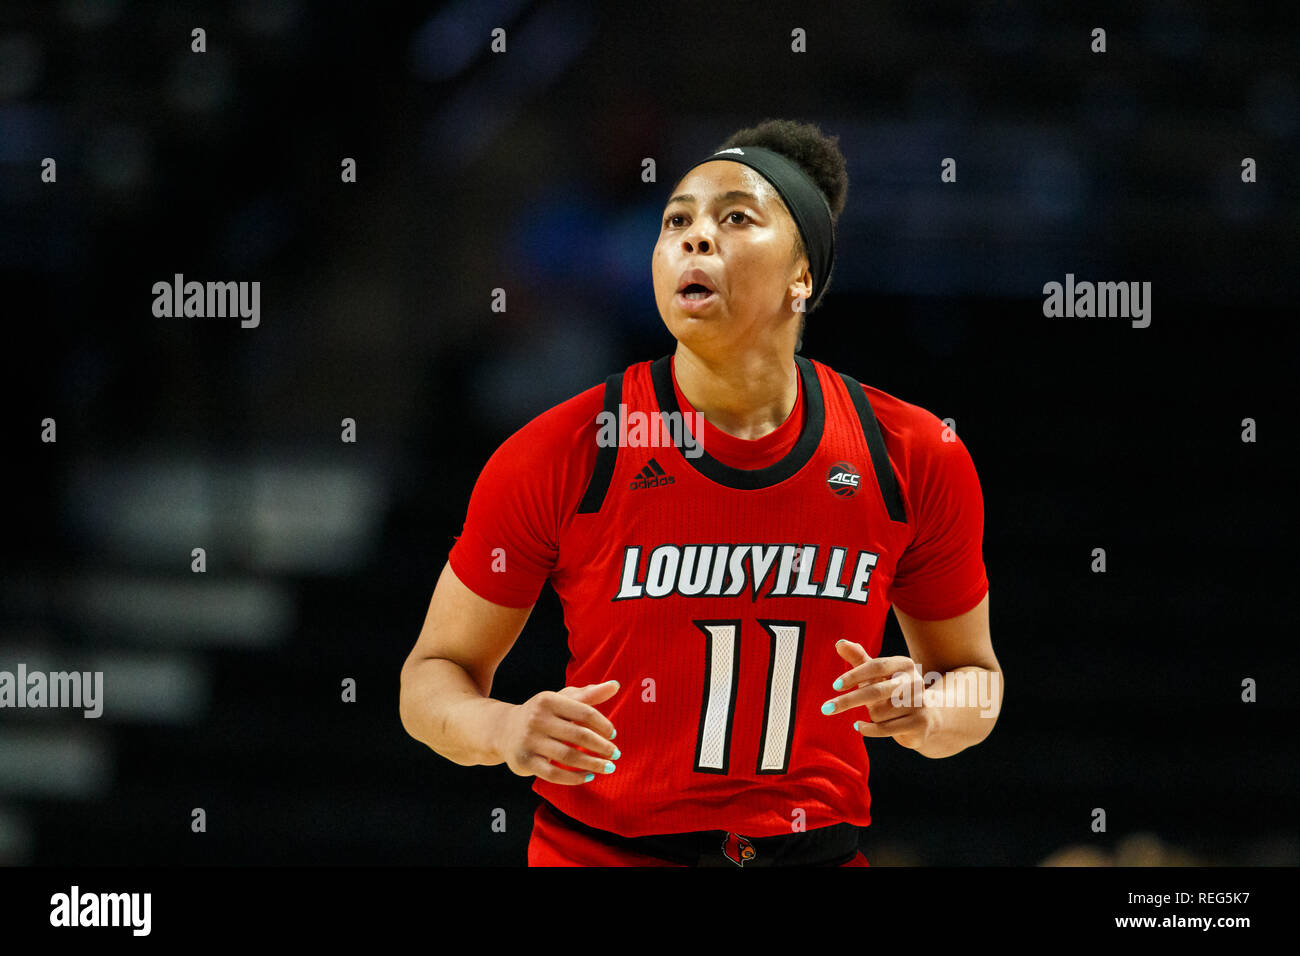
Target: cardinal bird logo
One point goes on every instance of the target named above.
(737, 849)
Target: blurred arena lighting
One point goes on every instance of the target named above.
(27, 133)
(898, 218)
(16, 838)
(157, 688)
(270, 17)
(553, 361)
(1275, 105)
(21, 60)
(70, 762)
(148, 688)
(200, 84)
(439, 50)
(1173, 29)
(1109, 104)
(1007, 27)
(625, 249)
(1144, 848)
(546, 44)
(322, 518)
(90, 14)
(258, 230)
(1134, 849)
(119, 157)
(262, 516)
(157, 611)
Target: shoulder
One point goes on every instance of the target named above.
(546, 464)
(930, 459)
(564, 426)
(572, 424)
(909, 430)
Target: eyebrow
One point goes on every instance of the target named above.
(723, 197)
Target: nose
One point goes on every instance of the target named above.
(696, 239)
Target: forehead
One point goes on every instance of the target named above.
(719, 176)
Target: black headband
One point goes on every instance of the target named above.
(805, 200)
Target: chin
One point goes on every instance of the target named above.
(696, 334)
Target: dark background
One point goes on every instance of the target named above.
(522, 171)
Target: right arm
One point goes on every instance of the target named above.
(446, 680)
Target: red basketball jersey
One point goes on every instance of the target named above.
(715, 594)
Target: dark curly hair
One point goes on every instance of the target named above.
(816, 153)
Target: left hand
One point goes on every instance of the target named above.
(893, 692)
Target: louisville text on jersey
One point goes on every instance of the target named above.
(726, 570)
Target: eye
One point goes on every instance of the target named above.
(668, 220)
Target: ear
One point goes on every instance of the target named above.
(801, 286)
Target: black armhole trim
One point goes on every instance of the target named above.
(876, 445)
(606, 455)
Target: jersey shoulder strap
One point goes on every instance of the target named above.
(606, 455)
(876, 444)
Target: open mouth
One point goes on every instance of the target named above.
(695, 292)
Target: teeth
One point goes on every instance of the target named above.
(697, 295)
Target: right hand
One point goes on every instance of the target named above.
(551, 725)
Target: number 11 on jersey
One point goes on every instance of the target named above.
(721, 672)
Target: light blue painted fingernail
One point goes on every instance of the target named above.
(828, 707)
(840, 641)
(857, 725)
(590, 777)
(609, 767)
(839, 684)
(613, 733)
(617, 753)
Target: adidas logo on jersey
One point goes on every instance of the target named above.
(651, 476)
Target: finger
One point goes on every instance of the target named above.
(886, 710)
(569, 708)
(873, 695)
(860, 676)
(539, 766)
(576, 735)
(570, 757)
(875, 669)
(593, 693)
(888, 728)
(851, 651)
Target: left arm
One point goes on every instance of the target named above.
(956, 711)
(967, 698)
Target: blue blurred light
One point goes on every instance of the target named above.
(448, 41)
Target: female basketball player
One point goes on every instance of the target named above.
(725, 591)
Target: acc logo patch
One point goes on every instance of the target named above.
(843, 479)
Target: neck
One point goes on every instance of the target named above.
(747, 396)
